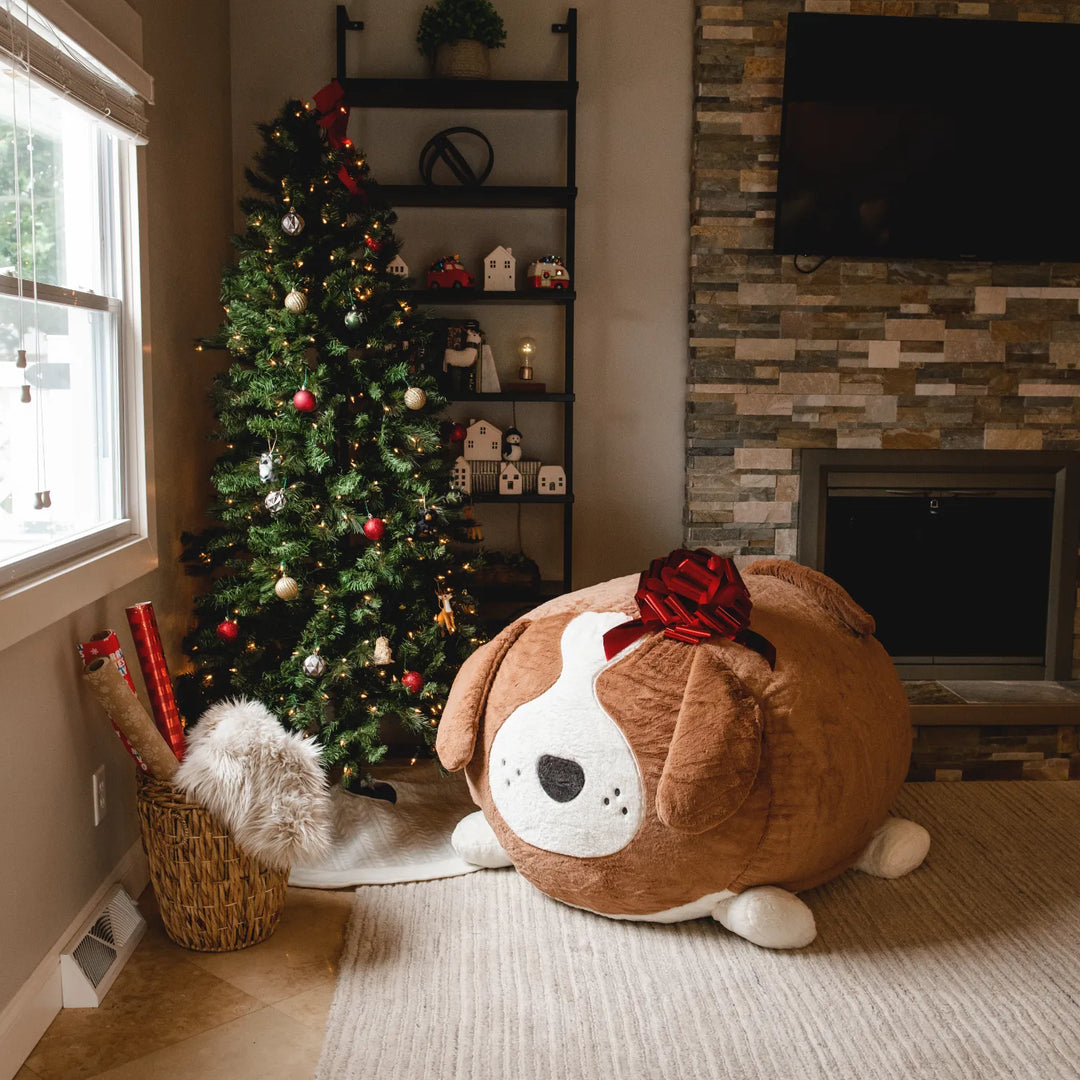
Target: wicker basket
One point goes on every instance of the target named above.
(212, 897)
(462, 60)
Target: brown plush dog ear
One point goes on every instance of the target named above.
(715, 751)
(460, 721)
(830, 597)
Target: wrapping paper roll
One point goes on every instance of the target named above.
(158, 685)
(125, 711)
(105, 643)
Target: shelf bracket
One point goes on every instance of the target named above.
(344, 25)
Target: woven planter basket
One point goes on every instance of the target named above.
(212, 897)
(462, 60)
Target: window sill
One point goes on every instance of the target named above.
(32, 605)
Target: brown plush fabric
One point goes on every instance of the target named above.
(752, 776)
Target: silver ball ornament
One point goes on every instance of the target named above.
(295, 301)
(292, 223)
(275, 501)
(415, 398)
(353, 318)
(314, 665)
(286, 588)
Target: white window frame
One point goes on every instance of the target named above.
(89, 567)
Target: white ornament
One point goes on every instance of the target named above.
(314, 665)
(275, 501)
(483, 442)
(292, 223)
(551, 480)
(286, 588)
(461, 476)
(295, 301)
(500, 268)
(415, 398)
(509, 480)
(382, 651)
(266, 467)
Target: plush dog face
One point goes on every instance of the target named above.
(562, 775)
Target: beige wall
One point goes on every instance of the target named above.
(632, 237)
(52, 858)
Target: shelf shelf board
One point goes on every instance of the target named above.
(516, 196)
(545, 94)
(564, 398)
(479, 296)
(495, 497)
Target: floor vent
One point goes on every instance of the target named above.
(95, 955)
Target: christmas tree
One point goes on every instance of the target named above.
(335, 586)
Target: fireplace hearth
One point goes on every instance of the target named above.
(967, 560)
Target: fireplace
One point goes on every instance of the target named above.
(966, 559)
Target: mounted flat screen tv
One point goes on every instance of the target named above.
(936, 138)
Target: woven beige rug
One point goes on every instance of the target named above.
(967, 969)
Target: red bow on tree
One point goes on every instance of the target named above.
(692, 596)
(334, 119)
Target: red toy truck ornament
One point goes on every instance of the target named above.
(548, 273)
(448, 273)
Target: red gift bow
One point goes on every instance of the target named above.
(692, 595)
(334, 119)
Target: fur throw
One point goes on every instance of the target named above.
(264, 783)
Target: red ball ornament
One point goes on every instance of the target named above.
(304, 401)
(458, 433)
(372, 243)
(413, 681)
(228, 630)
(374, 528)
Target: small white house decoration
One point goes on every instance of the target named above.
(398, 266)
(551, 480)
(510, 479)
(483, 442)
(500, 269)
(461, 476)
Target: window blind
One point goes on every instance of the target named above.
(28, 39)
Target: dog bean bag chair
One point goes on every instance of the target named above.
(687, 743)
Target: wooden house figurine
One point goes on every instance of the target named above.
(510, 479)
(398, 266)
(500, 269)
(483, 442)
(461, 476)
(551, 480)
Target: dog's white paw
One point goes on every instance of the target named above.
(474, 840)
(771, 917)
(895, 849)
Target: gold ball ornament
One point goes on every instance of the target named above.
(415, 398)
(296, 301)
(286, 588)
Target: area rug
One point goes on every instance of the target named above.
(968, 969)
(377, 842)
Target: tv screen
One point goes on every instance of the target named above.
(939, 138)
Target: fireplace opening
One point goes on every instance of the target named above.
(967, 561)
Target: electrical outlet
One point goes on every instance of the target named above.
(100, 804)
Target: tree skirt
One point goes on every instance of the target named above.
(378, 843)
(967, 968)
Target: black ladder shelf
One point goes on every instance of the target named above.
(551, 95)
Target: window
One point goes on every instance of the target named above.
(71, 455)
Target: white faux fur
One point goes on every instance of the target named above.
(265, 783)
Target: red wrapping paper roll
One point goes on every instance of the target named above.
(106, 644)
(158, 684)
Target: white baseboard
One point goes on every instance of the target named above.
(35, 1006)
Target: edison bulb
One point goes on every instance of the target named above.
(526, 352)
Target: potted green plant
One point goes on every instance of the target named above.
(459, 35)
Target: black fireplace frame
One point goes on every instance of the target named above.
(945, 469)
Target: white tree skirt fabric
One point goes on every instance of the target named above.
(381, 843)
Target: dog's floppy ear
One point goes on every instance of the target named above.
(715, 751)
(833, 599)
(468, 698)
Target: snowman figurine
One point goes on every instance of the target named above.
(511, 445)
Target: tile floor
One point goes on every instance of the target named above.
(179, 1015)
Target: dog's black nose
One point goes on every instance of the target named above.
(560, 777)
